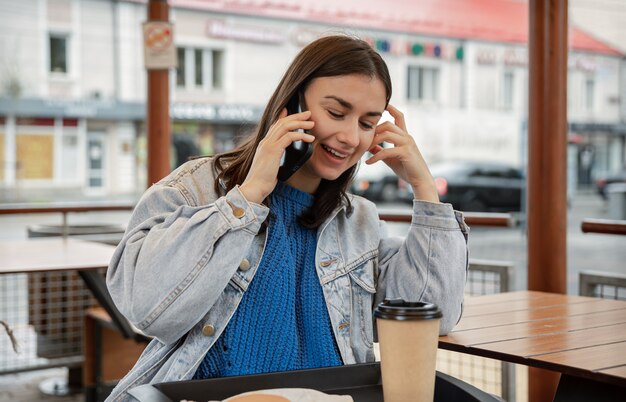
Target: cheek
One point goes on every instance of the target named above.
(366, 142)
(322, 130)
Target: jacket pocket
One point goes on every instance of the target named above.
(362, 289)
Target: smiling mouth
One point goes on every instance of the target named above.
(333, 152)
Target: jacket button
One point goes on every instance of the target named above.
(244, 265)
(237, 212)
(327, 263)
(208, 330)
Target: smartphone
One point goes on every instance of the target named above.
(298, 152)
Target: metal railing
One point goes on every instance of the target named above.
(493, 376)
(606, 285)
(483, 277)
(45, 312)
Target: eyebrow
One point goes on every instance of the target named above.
(348, 105)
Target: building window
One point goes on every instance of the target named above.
(423, 83)
(218, 68)
(589, 92)
(180, 69)
(197, 54)
(200, 68)
(58, 54)
(507, 90)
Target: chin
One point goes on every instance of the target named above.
(330, 174)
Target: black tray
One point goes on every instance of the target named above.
(361, 381)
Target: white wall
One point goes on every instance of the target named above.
(456, 134)
(605, 73)
(21, 47)
(96, 49)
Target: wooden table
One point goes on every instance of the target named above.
(52, 254)
(64, 254)
(582, 338)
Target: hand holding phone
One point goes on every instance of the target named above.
(298, 152)
(278, 144)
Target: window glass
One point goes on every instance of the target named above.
(58, 54)
(589, 90)
(423, 83)
(507, 90)
(218, 69)
(198, 67)
(180, 69)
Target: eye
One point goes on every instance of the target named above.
(334, 114)
(367, 125)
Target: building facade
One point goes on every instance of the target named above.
(73, 86)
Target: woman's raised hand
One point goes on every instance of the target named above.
(404, 157)
(262, 176)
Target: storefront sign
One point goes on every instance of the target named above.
(226, 113)
(486, 56)
(515, 57)
(582, 63)
(245, 33)
(303, 37)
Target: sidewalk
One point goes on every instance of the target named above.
(24, 387)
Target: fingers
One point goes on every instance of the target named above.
(296, 136)
(282, 142)
(397, 115)
(375, 149)
(392, 137)
(385, 154)
(389, 126)
(296, 116)
(297, 121)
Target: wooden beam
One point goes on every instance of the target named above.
(607, 226)
(547, 166)
(471, 218)
(158, 110)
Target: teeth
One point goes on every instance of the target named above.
(332, 151)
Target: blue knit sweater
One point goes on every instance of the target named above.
(281, 323)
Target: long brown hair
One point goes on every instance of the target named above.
(328, 56)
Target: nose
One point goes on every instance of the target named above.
(349, 134)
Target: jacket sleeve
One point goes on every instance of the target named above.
(176, 259)
(430, 264)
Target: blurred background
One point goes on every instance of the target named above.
(73, 105)
(73, 87)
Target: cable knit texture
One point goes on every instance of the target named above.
(281, 323)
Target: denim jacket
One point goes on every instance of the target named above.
(189, 255)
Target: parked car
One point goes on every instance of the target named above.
(479, 186)
(378, 182)
(603, 181)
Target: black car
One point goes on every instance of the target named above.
(603, 181)
(479, 186)
(378, 182)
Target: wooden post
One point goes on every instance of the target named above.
(158, 110)
(547, 167)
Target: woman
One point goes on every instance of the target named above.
(233, 272)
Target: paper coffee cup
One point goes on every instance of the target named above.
(407, 333)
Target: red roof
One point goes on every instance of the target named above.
(489, 20)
